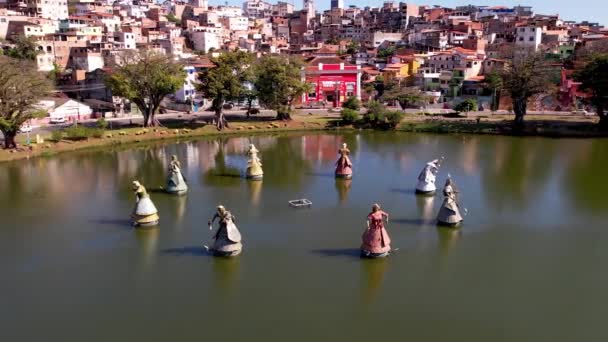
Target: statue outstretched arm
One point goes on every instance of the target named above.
(213, 220)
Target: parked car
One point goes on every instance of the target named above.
(57, 120)
(25, 128)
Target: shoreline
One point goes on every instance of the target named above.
(138, 135)
(551, 127)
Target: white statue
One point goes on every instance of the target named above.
(254, 165)
(426, 179)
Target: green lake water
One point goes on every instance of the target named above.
(529, 263)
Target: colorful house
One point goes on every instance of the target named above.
(331, 81)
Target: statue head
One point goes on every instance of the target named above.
(221, 209)
(375, 207)
(136, 185)
(344, 145)
(448, 181)
(173, 157)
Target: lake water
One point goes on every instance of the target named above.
(529, 263)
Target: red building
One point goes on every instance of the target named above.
(332, 81)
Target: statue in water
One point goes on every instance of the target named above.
(449, 214)
(254, 165)
(376, 242)
(344, 167)
(426, 179)
(145, 213)
(176, 184)
(227, 238)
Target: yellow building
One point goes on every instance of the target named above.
(402, 69)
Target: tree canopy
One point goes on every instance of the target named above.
(594, 80)
(278, 81)
(528, 74)
(145, 78)
(21, 88)
(25, 48)
(405, 96)
(226, 81)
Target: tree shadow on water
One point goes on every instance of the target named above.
(339, 252)
(198, 251)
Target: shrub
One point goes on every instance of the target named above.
(375, 111)
(468, 105)
(349, 116)
(78, 132)
(102, 124)
(352, 103)
(392, 118)
(96, 132)
(56, 136)
(378, 116)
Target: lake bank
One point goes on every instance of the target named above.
(551, 126)
(536, 125)
(173, 131)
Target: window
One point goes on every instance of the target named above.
(521, 39)
(531, 39)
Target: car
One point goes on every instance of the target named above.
(25, 128)
(57, 120)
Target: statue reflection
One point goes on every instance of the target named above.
(147, 239)
(226, 272)
(343, 188)
(255, 191)
(179, 202)
(447, 239)
(425, 208)
(372, 274)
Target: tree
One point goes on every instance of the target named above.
(146, 78)
(226, 81)
(21, 88)
(386, 52)
(352, 103)
(468, 105)
(405, 96)
(526, 75)
(352, 47)
(493, 82)
(278, 81)
(594, 80)
(25, 48)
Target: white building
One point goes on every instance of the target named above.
(529, 36)
(309, 6)
(228, 11)
(204, 4)
(379, 37)
(257, 8)
(237, 23)
(49, 9)
(125, 40)
(282, 8)
(188, 90)
(203, 40)
(65, 108)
